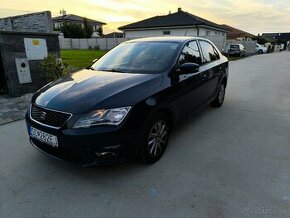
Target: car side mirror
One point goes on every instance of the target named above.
(188, 68)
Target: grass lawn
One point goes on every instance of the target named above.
(79, 59)
(231, 58)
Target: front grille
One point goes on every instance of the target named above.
(49, 117)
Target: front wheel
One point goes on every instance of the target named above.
(154, 138)
(219, 100)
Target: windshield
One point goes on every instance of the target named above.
(138, 57)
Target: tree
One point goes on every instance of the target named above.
(70, 30)
(88, 29)
(260, 40)
(100, 30)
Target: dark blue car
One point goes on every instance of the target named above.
(124, 106)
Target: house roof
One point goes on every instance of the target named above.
(72, 17)
(178, 19)
(236, 33)
(283, 36)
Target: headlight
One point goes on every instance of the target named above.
(103, 117)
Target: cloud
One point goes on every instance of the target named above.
(252, 16)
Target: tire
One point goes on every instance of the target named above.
(260, 52)
(219, 100)
(154, 138)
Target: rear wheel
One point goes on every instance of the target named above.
(154, 138)
(218, 101)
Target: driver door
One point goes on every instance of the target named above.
(187, 89)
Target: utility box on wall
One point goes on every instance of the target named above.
(23, 70)
(36, 49)
(21, 55)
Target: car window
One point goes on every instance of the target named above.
(190, 54)
(209, 52)
(138, 57)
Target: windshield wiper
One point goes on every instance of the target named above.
(114, 70)
(90, 68)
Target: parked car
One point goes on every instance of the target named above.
(260, 49)
(236, 50)
(125, 105)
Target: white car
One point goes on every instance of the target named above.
(260, 49)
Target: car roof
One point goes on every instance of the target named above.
(179, 39)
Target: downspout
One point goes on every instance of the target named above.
(197, 30)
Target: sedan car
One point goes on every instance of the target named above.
(125, 105)
(236, 50)
(260, 49)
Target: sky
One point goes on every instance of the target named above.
(254, 16)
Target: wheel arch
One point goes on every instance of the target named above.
(169, 114)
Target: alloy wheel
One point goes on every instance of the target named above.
(157, 138)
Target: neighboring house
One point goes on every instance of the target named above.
(114, 35)
(236, 34)
(180, 23)
(75, 19)
(282, 36)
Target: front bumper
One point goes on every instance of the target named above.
(87, 147)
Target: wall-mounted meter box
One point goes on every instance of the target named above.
(23, 71)
(36, 49)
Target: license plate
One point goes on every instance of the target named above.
(43, 137)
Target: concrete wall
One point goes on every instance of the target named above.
(94, 43)
(249, 45)
(109, 43)
(219, 41)
(37, 22)
(12, 47)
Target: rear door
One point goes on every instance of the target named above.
(211, 70)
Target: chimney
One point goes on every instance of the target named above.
(179, 9)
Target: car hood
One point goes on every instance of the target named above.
(87, 90)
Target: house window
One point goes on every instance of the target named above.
(207, 33)
(167, 32)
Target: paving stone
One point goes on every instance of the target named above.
(4, 110)
(12, 109)
(3, 100)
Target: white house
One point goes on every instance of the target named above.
(180, 23)
(59, 21)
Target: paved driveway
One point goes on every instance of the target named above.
(228, 162)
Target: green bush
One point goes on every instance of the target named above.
(54, 68)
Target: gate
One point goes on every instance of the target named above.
(3, 84)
